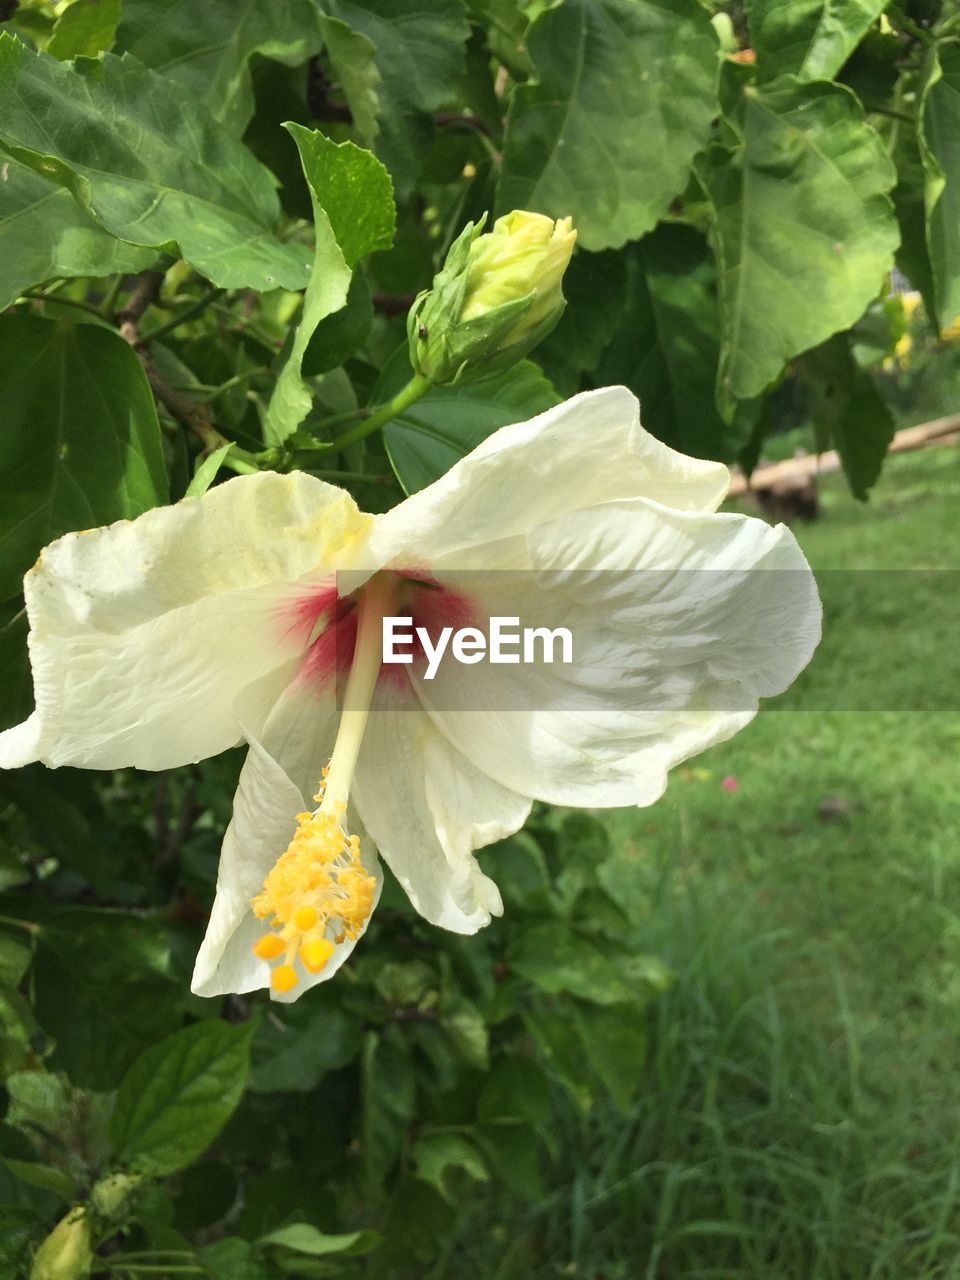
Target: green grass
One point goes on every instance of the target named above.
(799, 1114)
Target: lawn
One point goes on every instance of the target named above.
(798, 1117)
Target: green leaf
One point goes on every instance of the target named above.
(940, 152)
(804, 230)
(438, 430)
(300, 1237)
(207, 469)
(569, 148)
(558, 961)
(81, 441)
(45, 234)
(667, 345)
(595, 287)
(207, 47)
(388, 1089)
(103, 991)
(441, 1157)
(85, 27)
(16, 688)
(152, 167)
(615, 1045)
(354, 215)
(234, 1259)
(847, 409)
(418, 50)
(812, 38)
(179, 1094)
(296, 1053)
(353, 59)
(338, 336)
(43, 1176)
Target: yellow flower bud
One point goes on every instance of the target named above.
(66, 1252)
(524, 253)
(496, 296)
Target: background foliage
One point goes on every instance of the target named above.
(213, 219)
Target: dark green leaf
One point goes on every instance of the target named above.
(556, 960)
(354, 215)
(296, 1053)
(426, 440)
(667, 348)
(387, 1090)
(804, 228)
(16, 689)
(179, 1094)
(940, 150)
(337, 337)
(623, 100)
(847, 408)
(207, 47)
(44, 234)
(81, 442)
(418, 50)
(152, 167)
(103, 991)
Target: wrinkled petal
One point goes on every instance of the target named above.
(296, 738)
(590, 449)
(680, 621)
(428, 808)
(142, 633)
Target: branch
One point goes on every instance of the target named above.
(145, 293)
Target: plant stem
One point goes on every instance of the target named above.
(412, 392)
(109, 302)
(338, 419)
(183, 316)
(60, 302)
(356, 477)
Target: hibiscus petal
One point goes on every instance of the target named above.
(295, 739)
(588, 450)
(142, 633)
(428, 808)
(680, 623)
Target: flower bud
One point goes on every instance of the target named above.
(66, 1252)
(496, 296)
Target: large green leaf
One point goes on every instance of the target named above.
(623, 100)
(940, 149)
(848, 410)
(419, 53)
(179, 1094)
(667, 345)
(152, 167)
(354, 215)
(424, 441)
(804, 230)
(45, 234)
(79, 438)
(812, 38)
(207, 47)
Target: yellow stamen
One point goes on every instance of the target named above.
(269, 947)
(319, 893)
(316, 953)
(305, 918)
(283, 978)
